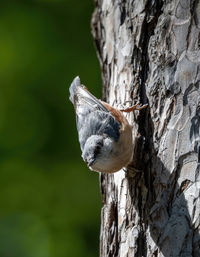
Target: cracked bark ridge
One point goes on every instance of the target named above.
(149, 51)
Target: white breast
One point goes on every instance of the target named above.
(120, 153)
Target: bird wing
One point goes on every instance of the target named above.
(92, 116)
(79, 94)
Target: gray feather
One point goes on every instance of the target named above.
(80, 95)
(97, 123)
(92, 117)
(73, 88)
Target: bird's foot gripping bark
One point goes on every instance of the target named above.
(134, 107)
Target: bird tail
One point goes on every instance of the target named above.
(73, 88)
(79, 91)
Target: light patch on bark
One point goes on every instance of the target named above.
(149, 51)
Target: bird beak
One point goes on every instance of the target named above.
(90, 162)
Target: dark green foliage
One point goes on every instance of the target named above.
(49, 200)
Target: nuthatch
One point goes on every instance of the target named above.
(105, 135)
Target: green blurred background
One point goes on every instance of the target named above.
(49, 200)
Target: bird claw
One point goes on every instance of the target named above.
(134, 107)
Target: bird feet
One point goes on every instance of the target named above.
(134, 107)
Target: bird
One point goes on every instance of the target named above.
(104, 133)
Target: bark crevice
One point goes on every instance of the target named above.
(149, 53)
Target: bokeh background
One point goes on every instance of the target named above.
(49, 201)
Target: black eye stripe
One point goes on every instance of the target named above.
(100, 144)
(97, 150)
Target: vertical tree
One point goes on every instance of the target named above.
(149, 52)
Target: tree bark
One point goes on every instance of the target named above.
(149, 52)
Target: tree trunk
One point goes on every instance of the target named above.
(149, 53)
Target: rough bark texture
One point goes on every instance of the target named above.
(149, 52)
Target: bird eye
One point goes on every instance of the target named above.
(97, 150)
